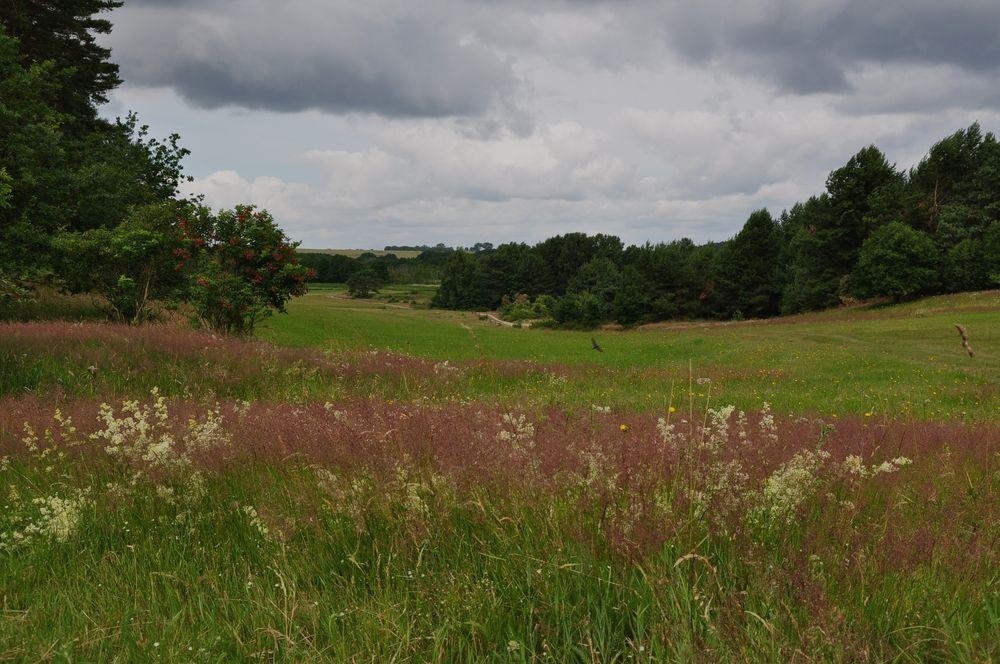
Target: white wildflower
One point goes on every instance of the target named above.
(766, 425)
(53, 518)
(855, 465)
(517, 432)
(884, 467)
(716, 431)
(791, 484)
(667, 433)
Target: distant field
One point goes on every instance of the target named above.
(354, 253)
(416, 295)
(904, 360)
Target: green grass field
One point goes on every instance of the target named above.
(381, 482)
(893, 361)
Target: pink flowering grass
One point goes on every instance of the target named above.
(368, 491)
(370, 506)
(461, 443)
(117, 361)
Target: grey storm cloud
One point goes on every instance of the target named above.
(405, 60)
(812, 46)
(439, 58)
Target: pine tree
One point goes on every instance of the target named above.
(65, 33)
(747, 276)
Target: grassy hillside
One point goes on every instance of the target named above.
(382, 483)
(904, 360)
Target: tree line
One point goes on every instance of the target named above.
(91, 205)
(876, 231)
(380, 270)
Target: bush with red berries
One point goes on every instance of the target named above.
(241, 268)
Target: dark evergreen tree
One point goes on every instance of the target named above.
(363, 283)
(601, 278)
(33, 156)
(631, 304)
(946, 176)
(747, 281)
(564, 254)
(461, 284)
(852, 189)
(511, 269)
(63, 32)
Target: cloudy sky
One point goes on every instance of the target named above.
(361, 123)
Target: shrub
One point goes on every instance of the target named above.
(579, 310)
(522, 308)
(130, 265)
(242, 268)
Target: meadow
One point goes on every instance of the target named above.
(373, 481)
(904, 360)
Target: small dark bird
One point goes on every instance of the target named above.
(596, 346)
(965, 339)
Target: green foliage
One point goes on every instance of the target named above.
(8, 288)
(991, 254)
(5, 189)
(580, 310)
(119, 167)
(896, 261)
(563, 256)
(241, 268)
(363, 283)
(631, 301)
(32, 154)
(807, 261)
(947, 175)
(67, 171)
(131, 264)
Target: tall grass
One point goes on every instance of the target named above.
(373, 531)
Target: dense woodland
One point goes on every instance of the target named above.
(876, 231)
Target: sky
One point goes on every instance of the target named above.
(367, 123)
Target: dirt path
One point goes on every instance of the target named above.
(499, 321)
